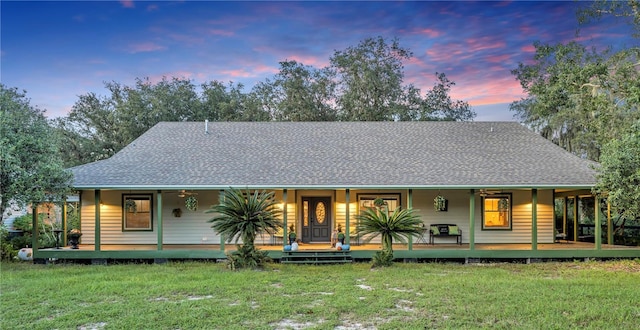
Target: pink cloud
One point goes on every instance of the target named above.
(527, 30)
(250, 72)
(309, 60)
(449, 53)
(490, 91)
(145, 47)
(430, 33)
(528, 49)
(498, 58)
(238, 73)
(484, 43)
(127, 3)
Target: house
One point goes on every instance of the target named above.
(502, 183)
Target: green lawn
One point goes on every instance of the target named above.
(596, 295)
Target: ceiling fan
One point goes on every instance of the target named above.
(183, 193)
(485, 192)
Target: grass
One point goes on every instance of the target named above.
(595, 295)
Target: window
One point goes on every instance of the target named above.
(390, 201)
(137, 212)
(496, 212)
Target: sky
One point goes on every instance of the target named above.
(58, 50)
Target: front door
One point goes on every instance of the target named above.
(316, 219)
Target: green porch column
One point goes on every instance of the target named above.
(564, 218)
(64, 222)
(472, 219)
(97, 219)
(409, 206)
(159, 202)
(575, 218)
(34, 228)
(534, 219)
(347, 225)
(609, 225)
(285, 236)
(220, 199)
(598, 231)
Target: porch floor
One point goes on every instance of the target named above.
(361, 247)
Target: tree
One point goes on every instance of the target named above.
(229, 103)
(628, 11)
(31, 169)
(371, 76)
(400, 224)
(299, 93)
(437, 104)
(619, 173)
(99, 126)
(242, 215)
(370, 86)
(90, 132)
(579, 98)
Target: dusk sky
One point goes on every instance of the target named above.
(59, 50)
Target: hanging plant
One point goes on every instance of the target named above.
(131, 206)
(378, 202)
(191, 203)
(440, 203)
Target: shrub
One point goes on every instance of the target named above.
(7, 251)
(46, 237)
(383, 258)
(247, 256)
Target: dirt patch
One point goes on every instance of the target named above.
(364, 287)
(404, 305)
(296, 325)
(93, 326)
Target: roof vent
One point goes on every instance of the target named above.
(206, 126)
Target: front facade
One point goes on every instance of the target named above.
(500, 182)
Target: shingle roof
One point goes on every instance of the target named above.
(338, 155)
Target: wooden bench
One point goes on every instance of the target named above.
(445, 230)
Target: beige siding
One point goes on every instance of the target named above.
(87, 217)
(458, 213)
(192, 227)
(546, 233)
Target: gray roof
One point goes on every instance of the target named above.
(338, 155)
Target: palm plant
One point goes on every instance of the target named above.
(241, 215)
(399, 225)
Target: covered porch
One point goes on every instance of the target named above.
(532, 231)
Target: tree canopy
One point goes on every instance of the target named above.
(30, 166)
(619, 173)
(580, 97)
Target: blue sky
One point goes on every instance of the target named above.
(59, 50)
